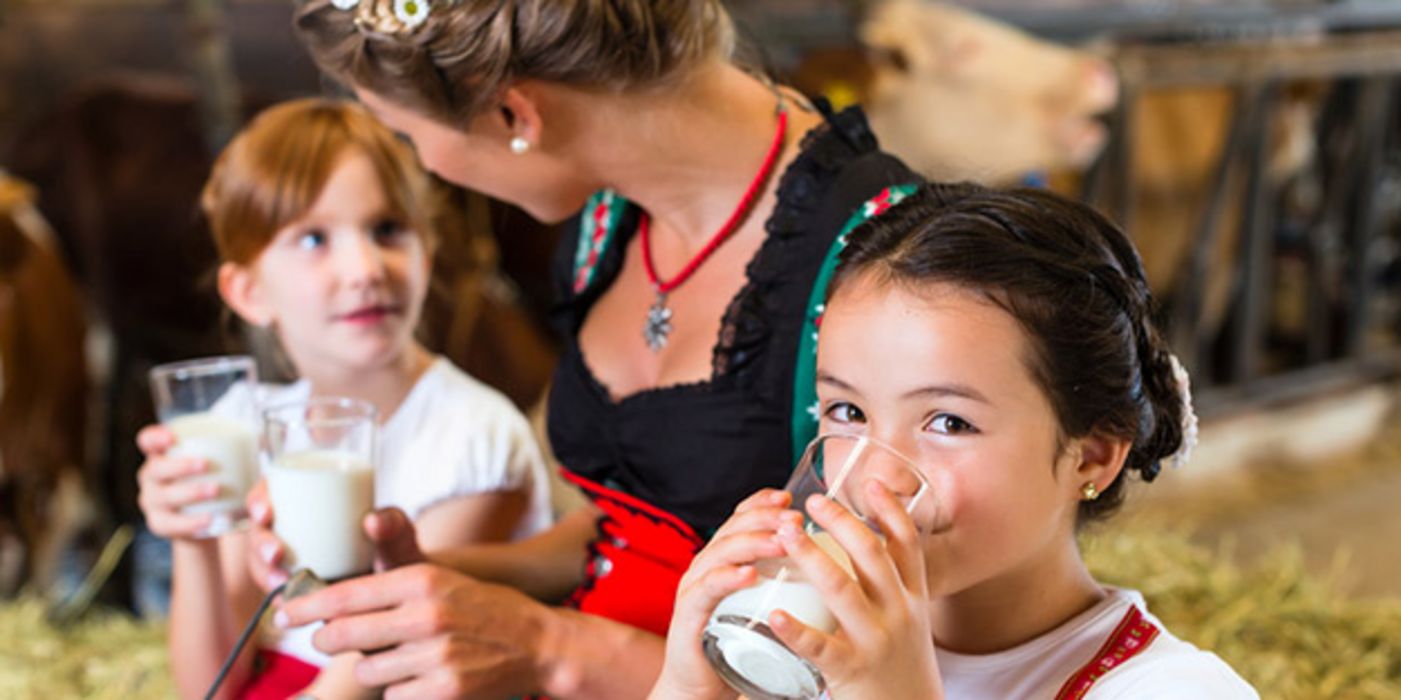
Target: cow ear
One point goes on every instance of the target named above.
(241, 290)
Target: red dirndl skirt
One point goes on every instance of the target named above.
(636, 563)
(277, 676)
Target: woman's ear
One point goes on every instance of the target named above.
(240, 289)
(520, 114)
(1098, 459)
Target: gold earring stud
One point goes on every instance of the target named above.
(1089, 491)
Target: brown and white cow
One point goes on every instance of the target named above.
(42, 395)
(960, 96)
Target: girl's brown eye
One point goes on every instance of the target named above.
(843, 412)
(949, 424)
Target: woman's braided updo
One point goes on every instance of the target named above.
(1075, 284)
(452, 65)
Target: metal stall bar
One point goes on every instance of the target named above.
(1373, 115)
(1192, 343)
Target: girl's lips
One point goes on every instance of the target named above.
(369, 315)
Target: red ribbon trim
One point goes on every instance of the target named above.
(1134, 633)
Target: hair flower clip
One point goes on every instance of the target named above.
(411, 12)
(1189, 416)
(390, 17)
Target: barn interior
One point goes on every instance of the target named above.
(1251, 148)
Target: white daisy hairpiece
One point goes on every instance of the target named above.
(390, 17)
(411, 12)
(1189, 416)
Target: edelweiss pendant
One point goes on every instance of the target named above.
(658, 324)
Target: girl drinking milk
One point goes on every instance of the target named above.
(1002, 342)
(321, 219)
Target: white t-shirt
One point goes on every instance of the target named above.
(1167, 668)
(451, 436)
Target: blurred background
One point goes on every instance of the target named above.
(1250, 147)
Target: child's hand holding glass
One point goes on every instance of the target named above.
(882, 645)
(792, 602)
(201, 459)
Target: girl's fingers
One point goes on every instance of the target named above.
(757, 518)
(842, 593)
(259, 504)
(265, 553)
(738, 549)
(154, 440)
(902, 538)
(764, 498)
(869, 559)
(160, 470)
(183, 493)
(172, 525)
(826, 651)
(696, 600)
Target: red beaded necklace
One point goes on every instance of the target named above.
(658, 326)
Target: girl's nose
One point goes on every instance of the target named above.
(361, 261)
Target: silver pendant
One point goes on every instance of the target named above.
(658, 324)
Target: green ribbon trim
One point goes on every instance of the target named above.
(584, 270)
(804, 417)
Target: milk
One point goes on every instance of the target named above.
(320, 498)
(230, 448)
(743, 649)
(782, 586)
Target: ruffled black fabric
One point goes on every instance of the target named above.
(695, 450)
(749, 321)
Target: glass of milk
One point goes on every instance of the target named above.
(737, 640)
(320, 470)
(210, 405)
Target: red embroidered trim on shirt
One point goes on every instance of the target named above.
(1134, 633)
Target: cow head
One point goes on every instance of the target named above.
(960, 96)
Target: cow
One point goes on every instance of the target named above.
(43, 396)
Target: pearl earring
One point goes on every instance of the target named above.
(519, 145)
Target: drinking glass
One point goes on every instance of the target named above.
(320, 471)
(210, 405)
(737, 640)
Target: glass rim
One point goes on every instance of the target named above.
(911, 463)
(202, 366)
(274, 413)
(927, 488)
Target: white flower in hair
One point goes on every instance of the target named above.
(411, 12)
(1189, 416)
(345, 4)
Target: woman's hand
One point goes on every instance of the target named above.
(166, 487)
(884, 647)
(429, 632)
(723, 567)
(389, 529)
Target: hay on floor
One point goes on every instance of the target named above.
(107, 655)
(1286, 630)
